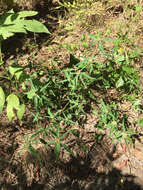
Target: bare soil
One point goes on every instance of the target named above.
(104, 165)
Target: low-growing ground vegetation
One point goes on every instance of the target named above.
(71, 99)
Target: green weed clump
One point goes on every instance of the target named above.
(66, 95)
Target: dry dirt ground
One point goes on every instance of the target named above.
(102, 166)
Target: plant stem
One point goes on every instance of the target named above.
(1, 61)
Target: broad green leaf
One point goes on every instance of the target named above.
(11, 23)
(35, 26)
(16, 28)
(2, 99)
(120, 82)
(10, 112)
(11, 17)
(5, 34)
(20, 111)
(23, 14)
(13, 101)
(6, 18)
(15, 70)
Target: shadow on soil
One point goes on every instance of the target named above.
(77, 174)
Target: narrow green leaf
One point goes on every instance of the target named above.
(66, 133)
(68, 150)
(88, 76)
(101, 48)
(23, 14)
(2, 99)
(36, 133)
(51, 142)
(57, 149)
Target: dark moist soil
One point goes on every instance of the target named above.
(102, 166)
